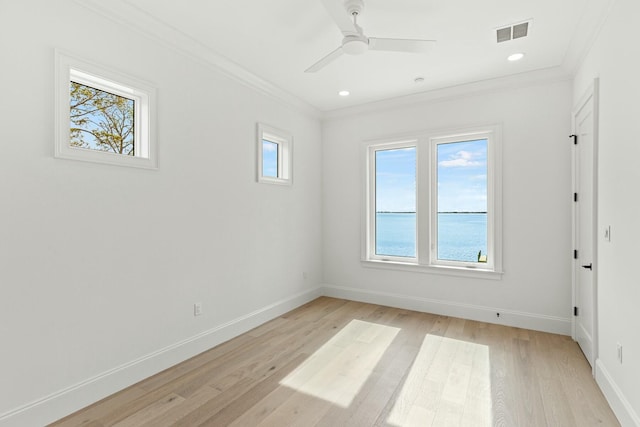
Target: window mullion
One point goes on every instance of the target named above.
(423, 191)
(372, 203)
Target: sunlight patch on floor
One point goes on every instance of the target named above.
(337, 371)
(449, 384)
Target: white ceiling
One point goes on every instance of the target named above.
(276, 40)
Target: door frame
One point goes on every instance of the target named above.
(592, 92)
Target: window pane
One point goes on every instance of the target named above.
(101, 120)
(269, 159)
(395, 202)
(462, 201)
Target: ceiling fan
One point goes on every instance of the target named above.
(345, 14)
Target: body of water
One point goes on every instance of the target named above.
(460, 235)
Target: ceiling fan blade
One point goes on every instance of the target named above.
(325, 61)
(400, 45)
(340, 15)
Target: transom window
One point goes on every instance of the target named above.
(435, 202)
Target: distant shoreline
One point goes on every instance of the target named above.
(452, 212)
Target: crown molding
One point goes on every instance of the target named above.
(511, 82)
(587, 32)
(127, 14)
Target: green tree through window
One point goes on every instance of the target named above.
(101, 120)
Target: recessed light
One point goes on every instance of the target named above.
(343, 93)
(418, 80)
(515, 57)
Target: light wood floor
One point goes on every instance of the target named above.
(341, 363)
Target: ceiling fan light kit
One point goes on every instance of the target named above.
(345, 14)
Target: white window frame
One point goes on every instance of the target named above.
(426, 197)
(371, 197)
(284, 141)
(70, 68)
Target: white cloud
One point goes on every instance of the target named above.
(460, 159)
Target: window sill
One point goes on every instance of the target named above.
(276, 181)
(477, 273)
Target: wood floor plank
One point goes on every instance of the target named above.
(380, 386)
(237, 344)
(154, 410)
(243, 403)
(173, 416)
(335, 362)
(557, 408)
(477, 407)
(91, 414)
(264, 407)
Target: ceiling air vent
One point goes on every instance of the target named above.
(504, 34)
(512, 32)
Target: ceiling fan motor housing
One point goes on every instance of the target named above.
(355, 44)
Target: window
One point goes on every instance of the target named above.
(434, 202)
(274, 155)
(394, 192)
(102, 116)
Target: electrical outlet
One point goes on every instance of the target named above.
(619, 352)
(607, 234)
(197, 309)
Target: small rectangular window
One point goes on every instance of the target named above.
(275, 155)
(103, 116)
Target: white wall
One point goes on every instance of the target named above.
(614, 59)
(100, 265)
(535, 290)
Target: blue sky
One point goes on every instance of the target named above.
(269, 158)
(462, 178)
(396, 180)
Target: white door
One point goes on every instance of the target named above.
(584, 292)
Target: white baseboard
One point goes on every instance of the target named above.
(556, 325)
(78, 396)
(618, 402)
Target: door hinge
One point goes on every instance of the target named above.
(575, 139)
(575, 254)
(575, 197)
(575, 311)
